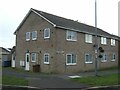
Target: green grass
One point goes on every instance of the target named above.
(12, 80)
(99, 80)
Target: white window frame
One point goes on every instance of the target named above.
(90, 59)
(27, 37)
(35, 57)
(88, 38)
(104, 58)
(71, 35)
(71, 63)
(113, 57)
(46, 30)
(34, 33)
(48, 56)
(113, 42)
(103, 40)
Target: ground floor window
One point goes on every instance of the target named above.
(71, 59)
(113, 57)
(33, 57)
(46, 58)
(88, 58)
(104, 58)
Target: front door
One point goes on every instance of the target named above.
(27, 60)
(13, 60)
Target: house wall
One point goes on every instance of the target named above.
(57, 46)
(39, 46)
(80, 47)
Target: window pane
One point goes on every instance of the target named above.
(33, 57)
(87, 58)
(73, 58)
(113, 42)
(34, 35)
(71, 35)
(114, 56)
(68, 58)
(46, 58)
(88, 38)
(27, 36)
(47, 33)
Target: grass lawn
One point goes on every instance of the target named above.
(12, 80)
(99, 80)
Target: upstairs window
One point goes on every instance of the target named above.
(113, 42)
(88, 58)
(71, 59)
(46, 33)
(88, 38)
(103, 40)
(71, 36)
(33, 57)
(27, 36)
(34, 35)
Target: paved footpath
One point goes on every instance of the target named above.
(54, 82)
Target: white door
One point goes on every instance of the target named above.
(13, 60)
(27, 60)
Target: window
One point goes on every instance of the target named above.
(34, 35)
(103, 40)
(46, 58)
(88, 58)
(27, 36)
(46, 33)
(104, 58)
(113, 57)
(113, 42)
(71, 36)
(33, 57)
(70, 59)
(88, 38)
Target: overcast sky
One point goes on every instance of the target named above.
(12, 13)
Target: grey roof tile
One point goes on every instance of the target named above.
(71, 24)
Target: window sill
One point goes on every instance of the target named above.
(47, 63)
(89, 62)
(104, 44)
(34, 39)
(104, 61)
(46, 37)
(89, 42)
(27, 40)
(113, 45)
(112, 60)
(33, 61)
(71, 40)
(71, 64)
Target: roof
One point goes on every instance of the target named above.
(4, 51)
(60, 22)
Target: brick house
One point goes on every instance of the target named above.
(61, 45)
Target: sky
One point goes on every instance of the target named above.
(12, 13)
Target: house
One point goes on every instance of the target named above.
(5, 56)
(62, 45)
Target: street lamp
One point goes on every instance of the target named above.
(96, 44)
